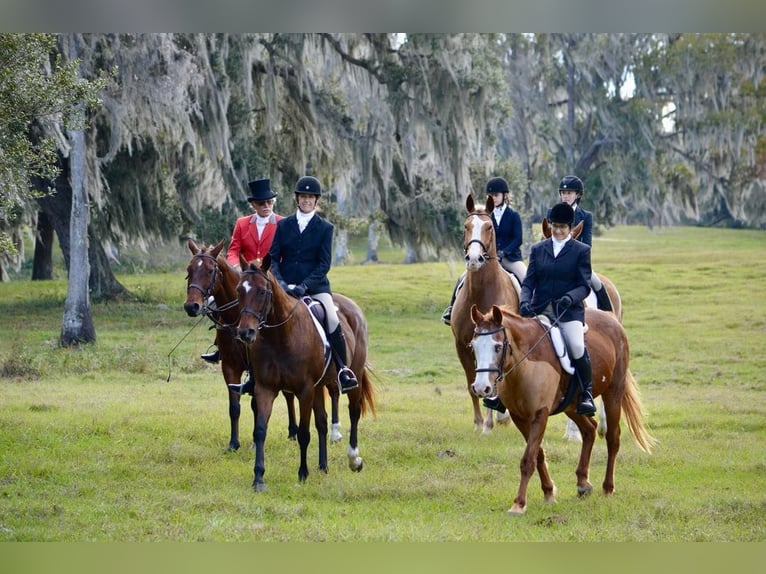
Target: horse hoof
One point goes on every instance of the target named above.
(259, 486)
(517, 510)
(356, 464)
(584, 490)
(232, 448)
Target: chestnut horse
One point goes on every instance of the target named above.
(515, 359)
(280, 331)
(208, 274)
(572, 433)
(486, 283)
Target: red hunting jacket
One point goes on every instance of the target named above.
(245, 240)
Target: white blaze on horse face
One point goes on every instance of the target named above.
(474, 254)
(487, 356)
(246, 286)
(199, 263)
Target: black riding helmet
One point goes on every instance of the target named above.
(497, 185)
(309, 185)
(562, 213)
(572, 183)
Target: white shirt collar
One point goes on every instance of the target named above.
(559, 245)
(304, 218)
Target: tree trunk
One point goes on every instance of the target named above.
(42, 265)
(372, 243)
(78, 326)
(341, 246)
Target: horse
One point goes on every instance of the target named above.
(572, 433)
(280, 331)
(486, 283)
(529, 380)
(209, 274)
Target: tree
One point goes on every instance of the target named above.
(36, 88)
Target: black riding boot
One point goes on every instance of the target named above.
(447, 315)
(584, 373)
(495, 404)
(602, 299)
(213, 357)
(346, 378)
(246, 387)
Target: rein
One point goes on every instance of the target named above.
(502, 374)
(212, 313)
(261, 315)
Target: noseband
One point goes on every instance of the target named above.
(484, 248)
(499, 367)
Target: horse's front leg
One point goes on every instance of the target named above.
(305, 405)
(292, 425)
(232, 376)
(262, 403)
(533, 432)
(355, 461)
(320, 423)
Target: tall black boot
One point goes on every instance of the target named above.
(602, 299)
(495, 404)
(346, 378)
(212, 357)
(584, 374)
(447, 315)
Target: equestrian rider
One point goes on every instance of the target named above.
(301, 255)
(508, 237)
(571, 191)
(252, 234)
(557, 282)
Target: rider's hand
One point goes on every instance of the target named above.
(563, 304)
(297, 290)
(525, 310)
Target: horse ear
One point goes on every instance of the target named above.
(475, 315)
(489, 205)
(577, 230)
(497, 314)
(469, 203)
(217, 249)
(546, 228)
(242, 262)
(266, 262)
(193, 247)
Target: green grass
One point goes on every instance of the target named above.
(97, 445)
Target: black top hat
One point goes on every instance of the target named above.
(260, 190)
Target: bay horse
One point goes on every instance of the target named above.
(209, 274)
(280, 331)
(516, 360)
(486, 283)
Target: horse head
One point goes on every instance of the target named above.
(490, 349)
(202, 275)
(478, 235)
(255, 292)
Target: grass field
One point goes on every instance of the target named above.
(97, 445)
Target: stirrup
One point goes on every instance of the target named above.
(586, 407)
(347, 380)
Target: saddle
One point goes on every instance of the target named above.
(560, 348)
(319, 315)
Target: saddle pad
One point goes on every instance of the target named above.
(558, 344)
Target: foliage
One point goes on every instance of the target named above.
(98, 445)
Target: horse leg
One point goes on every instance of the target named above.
(355, 462)
(263, 402)
(335, 434)
(533, 432)
(292, 426)
(546, 482)
(320, 423)
(587, 426)
(612, 443)
(234, 412)
(305, 404)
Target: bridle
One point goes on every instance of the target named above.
(484, 247)
(267, 296)
(209, 291)
(499, 368)
(211, 312)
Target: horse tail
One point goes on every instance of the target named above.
(368, 392)
(634, 416)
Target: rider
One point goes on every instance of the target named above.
(301, 255)
(570, 191)
(252, 234)
(508, 237)
(557, 282)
